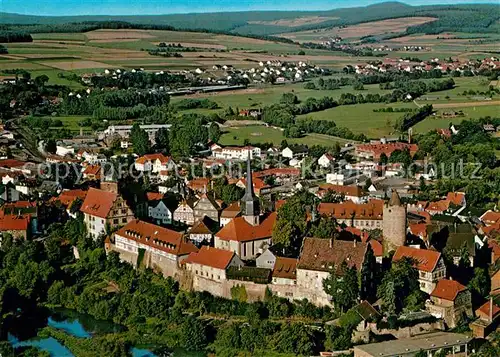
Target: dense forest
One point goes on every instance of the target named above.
(463, 18)
(7, 36)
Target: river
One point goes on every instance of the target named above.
(73, 323)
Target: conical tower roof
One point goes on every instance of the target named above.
(395, 199)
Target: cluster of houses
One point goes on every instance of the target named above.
(407, 65)
(220, 75)
(211, 245)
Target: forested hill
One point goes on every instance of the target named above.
(468, 18)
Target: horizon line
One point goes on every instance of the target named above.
(485, 2)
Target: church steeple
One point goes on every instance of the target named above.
(249, 202)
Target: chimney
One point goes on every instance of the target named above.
(354, 243)
(491, 310)
(331, 243)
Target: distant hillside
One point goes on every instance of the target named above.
(468, 18)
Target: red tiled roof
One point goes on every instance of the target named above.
(495, 249)
(492, 231)
(10, 163)
(377, 247)
(154, 196)
(13, 222)
(242, 231)
(346, 210)
(285, 268)
(447, 289)
(92, 170)
(455, 197)
(377, 149)
(153, 157)
(98, 202)
(199, 183)
(233, 210)
(485, 309)
(418, 229)
(325, 254)
(258, 184)
(490, 217)
(438, 206)
(157, 237)
(19, 204)
(68, 196)
(426, 259)
(212, 257)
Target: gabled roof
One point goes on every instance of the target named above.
(153, 157)
(13, 222)
(242, 231)
(326, 254)
(212, 257)
(447, 289)
(199, 184)
(346, 210)
(377, 247)
(426, 260)
(365, 310)
(490, 217)
(439, 206)
(258, 184)
(232, 211)
(485, 310)
(92, 170)
(456, 197)
(67, 197)
(456, 241)
(205, 225)
(157, 237)
(98, 202)
(285, 268)
(208, 199)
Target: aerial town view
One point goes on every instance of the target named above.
(254, 178)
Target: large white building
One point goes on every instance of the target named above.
(159, 212)
(155, 163)
(212, 263)
(236, 153)
(162, 247)
(124, 130)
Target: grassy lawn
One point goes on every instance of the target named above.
(267, 95)
(434, 122)
(361, 118)
(55, 79)
(478, 84)
(71, 122)
(263, 134)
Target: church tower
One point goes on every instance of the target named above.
(394, 223)
(250, 203)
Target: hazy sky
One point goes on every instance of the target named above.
(139, 7)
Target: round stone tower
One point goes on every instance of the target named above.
(394, 223)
